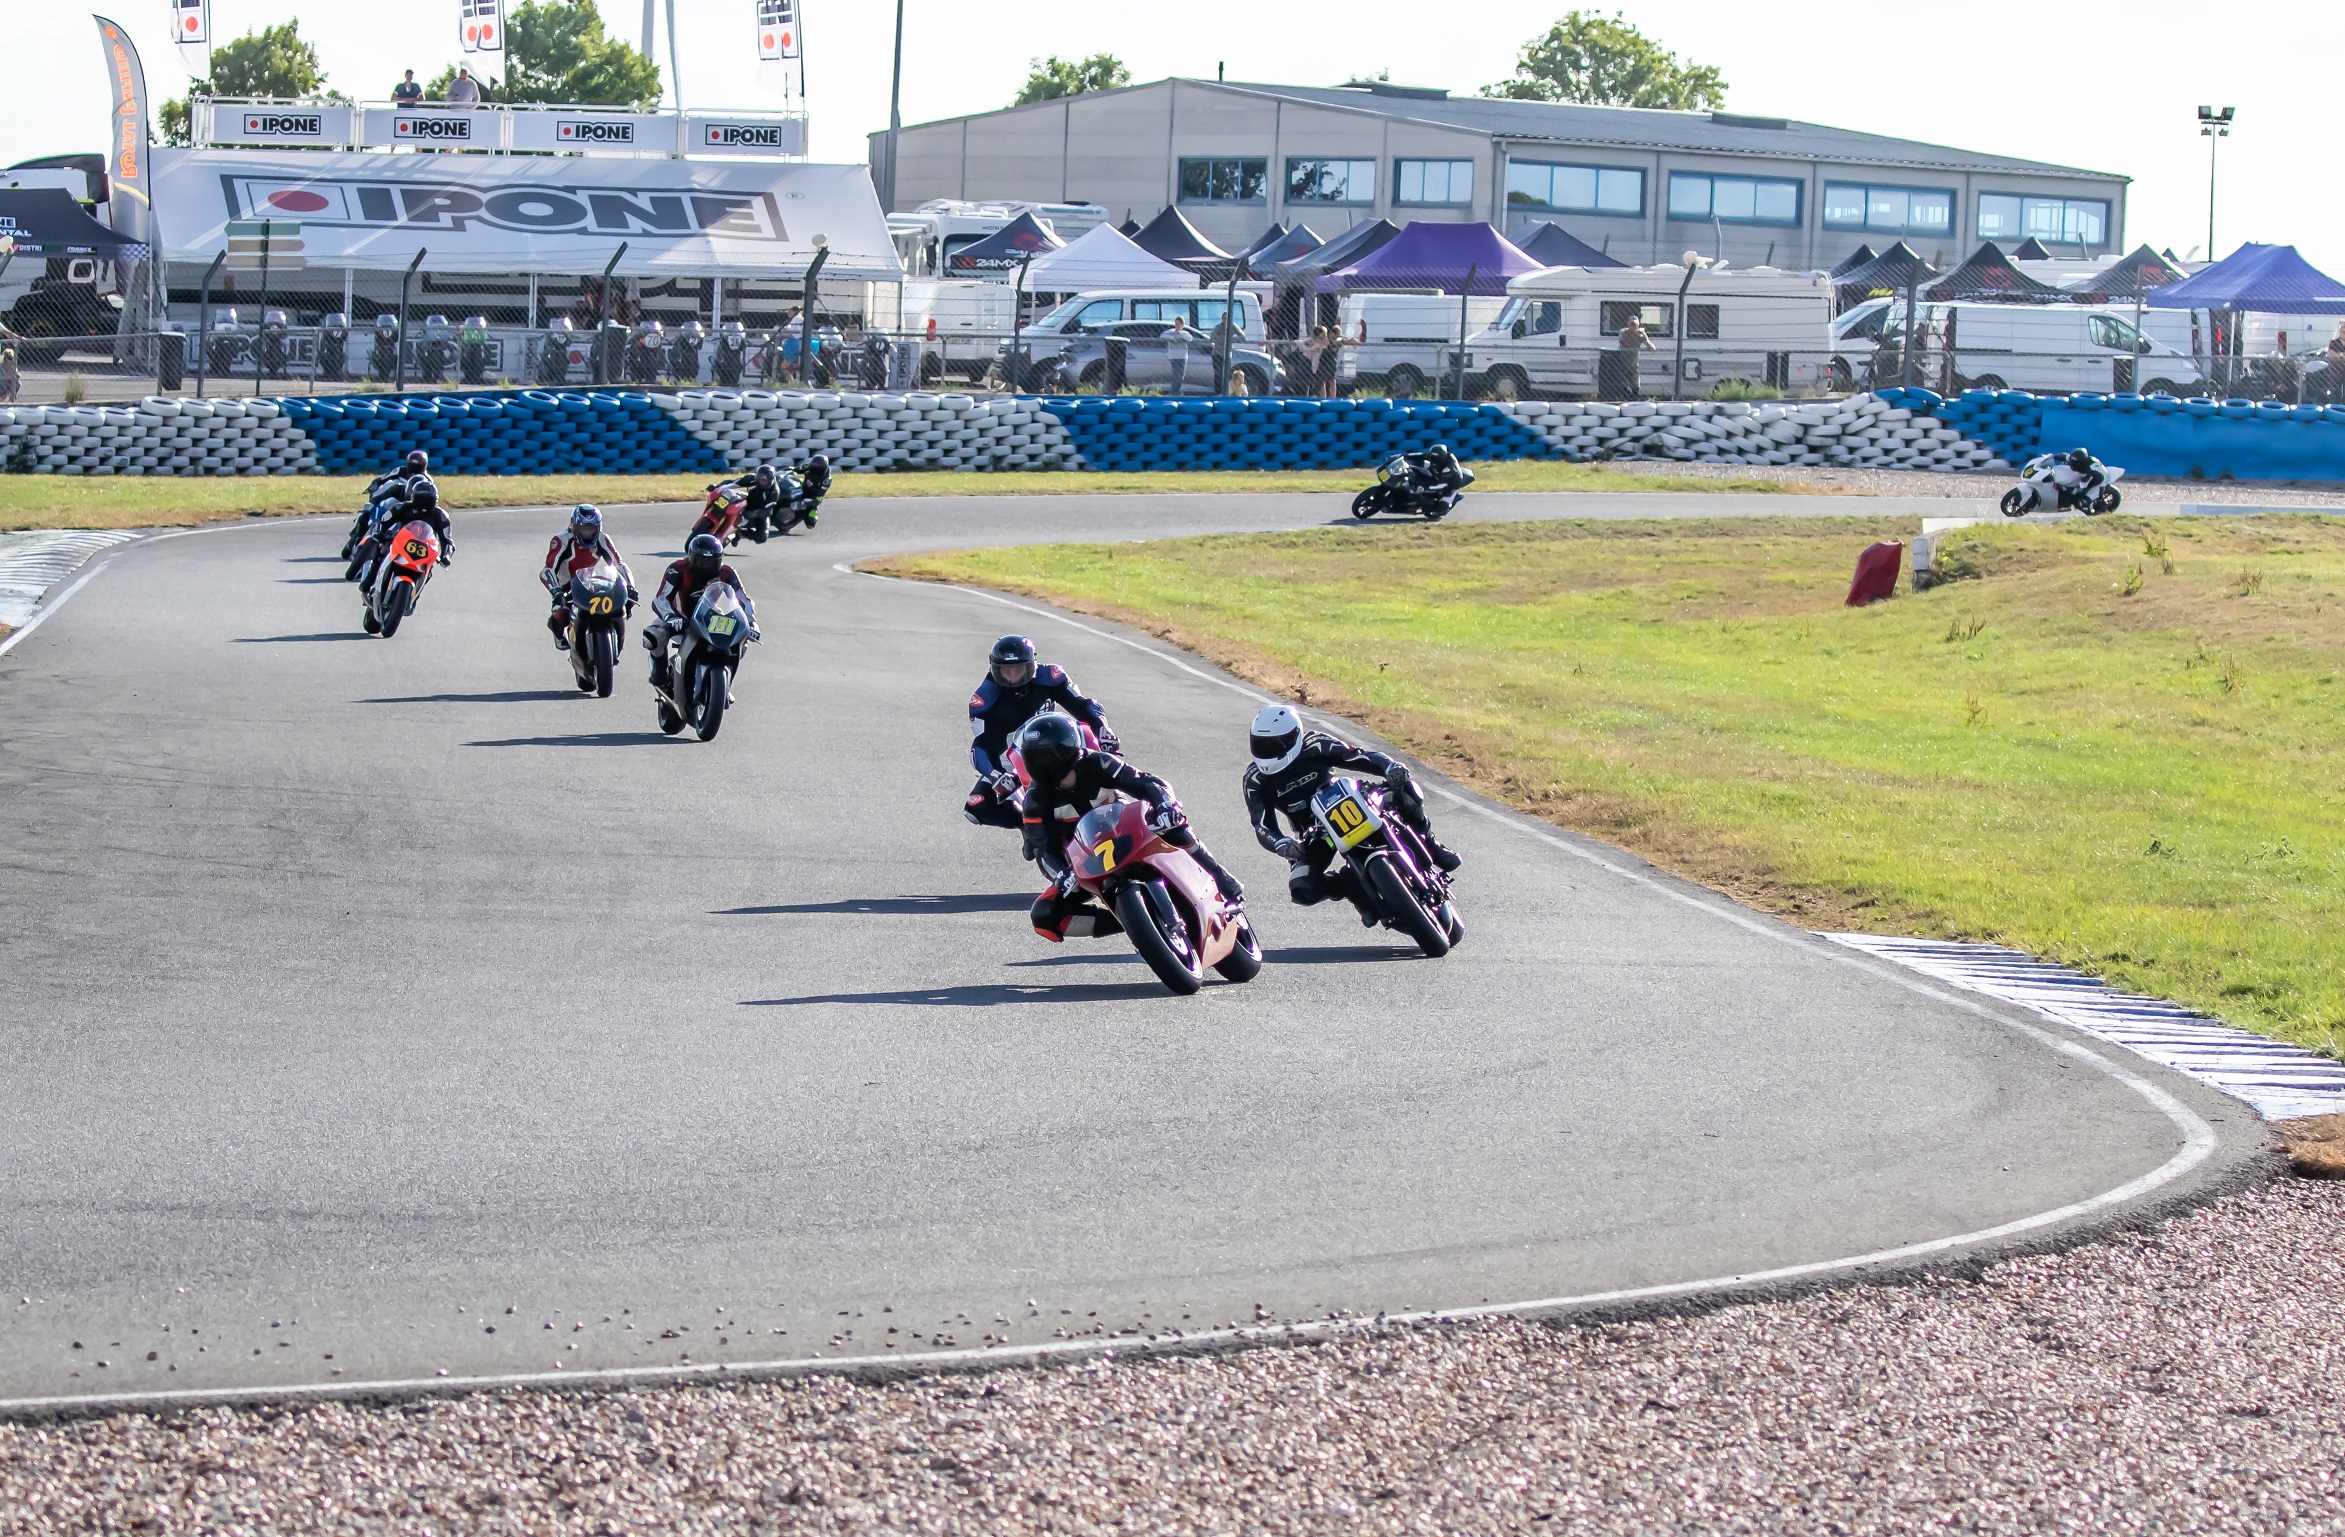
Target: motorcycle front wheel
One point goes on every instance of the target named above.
(708, 703)
(2014, 502)
(395, 606)
(1401, 905)
(1167, 951)
(605, 644)
(1243, 963)
(1364, 505)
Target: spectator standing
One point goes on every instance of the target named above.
(407, 93)
(1176, 352)
(12, 380)
(1313, 349)
(1621, 365)
(2334, 382)
(463, 91)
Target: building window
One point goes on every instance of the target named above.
(1225, 181)
(1701, 322)
(1592, 189)
(1433, 183)
(1657, 319)
(1733, 199)
(2053, 220)
(1331, 181)
(1891, 210)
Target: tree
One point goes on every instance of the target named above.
(556, 51)
(1055, 77)
(271, 62)
(1603, 61)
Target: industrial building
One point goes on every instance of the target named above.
(1642, 185)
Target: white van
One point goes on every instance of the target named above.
(2051, 349)
(1757, 323)
(1400, 341)
(1085, 314)
(960, 323)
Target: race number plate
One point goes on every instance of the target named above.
(1349, 820)
(417, 549)
(722, 624)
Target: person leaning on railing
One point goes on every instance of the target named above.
(408, 92)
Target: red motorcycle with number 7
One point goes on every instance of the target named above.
(412, 552)
(1177, 918)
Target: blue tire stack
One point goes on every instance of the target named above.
(1246, 433)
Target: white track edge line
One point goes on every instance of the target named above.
(2198, 1145)
(49, 606)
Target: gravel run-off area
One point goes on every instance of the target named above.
(1984, 486)
(2187, 1377)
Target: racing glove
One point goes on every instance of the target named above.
(1399, 777)
(1109, 744)
(1289, 850)
(1166, 818)
(1005, 785)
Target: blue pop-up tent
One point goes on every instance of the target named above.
(1551, 245)
(2267, 279)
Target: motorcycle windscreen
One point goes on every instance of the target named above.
(597, 592)
(1103, 840)
(720, 616)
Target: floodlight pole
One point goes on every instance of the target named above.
(887, 194)
(1693, 263)
(203, 321)
(1464, 298)
(260, 329)
(399, 353)
(2214, 125)
(822, 253)
(1228, 328)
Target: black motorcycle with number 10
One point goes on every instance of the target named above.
(1408, 890)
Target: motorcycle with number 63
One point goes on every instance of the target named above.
(703, 654)
(1176, 916)
(1409, 891)
(410, 554)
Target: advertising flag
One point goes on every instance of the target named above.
(130, 200)
(483, 23)
(777, 30)
(191, 29)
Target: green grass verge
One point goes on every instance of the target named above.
(74, 501)
(2114, 743)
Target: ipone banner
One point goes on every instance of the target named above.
(521, 213)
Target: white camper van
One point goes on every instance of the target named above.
(931, 235)
(1757, 323)
(2048, 349)
(959, 322)
(1403, 341)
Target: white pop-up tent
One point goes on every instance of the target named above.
(532, 214)
(1103, 258)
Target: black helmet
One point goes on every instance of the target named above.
(703, 554)
(1441, 451)
(423, 494)
(2080, 460)
(1049, 746)
(1008, 652)
(765, 475)
(819, 462)
(418, 462)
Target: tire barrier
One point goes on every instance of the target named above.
(614, 432)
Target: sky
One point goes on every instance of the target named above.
(2094, 83)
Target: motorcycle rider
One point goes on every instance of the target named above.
(419, 501)
(579, 547)
(702, 565)
(2090, 476)
(1435, 473)
(1068, 781)
(759, 505)
(814, 483)
(386, 487)
(1014, 690)
(1290, 766)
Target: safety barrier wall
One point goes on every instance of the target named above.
(523, 432)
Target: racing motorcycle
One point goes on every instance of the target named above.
(722, 510)
(410, 554)
(1177, 918)
(703, 655)
(2048, 484)
(1408, 890)
(599, 602)
(796, 505)
(1397, 490)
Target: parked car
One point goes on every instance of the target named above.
(1148, 363)
(1086, 315)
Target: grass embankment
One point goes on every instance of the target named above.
(2114, 744)
(115, 501)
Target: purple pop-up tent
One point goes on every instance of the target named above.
(1442, 256)
(2268, 279)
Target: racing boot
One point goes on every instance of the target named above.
(559, 623)
(1231, 889)
(1442, 854)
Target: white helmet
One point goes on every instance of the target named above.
(1277, 738)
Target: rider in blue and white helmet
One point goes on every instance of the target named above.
(578, 548)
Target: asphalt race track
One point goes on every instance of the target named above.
(374, 1011)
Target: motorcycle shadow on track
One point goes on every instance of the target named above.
(984, 995)
(1341, 955)
(514, 696)
(279, 640)
(914, 906)
(585, 739)
(309, 581)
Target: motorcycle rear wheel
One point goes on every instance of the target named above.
(603, 644)
(1171, 956)
(1244, 963)
(708, 703)
(1401, 905)
(394, 607)
(2108, 501)
(2014, 502)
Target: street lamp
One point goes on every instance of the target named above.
(2213, 124)
(1694, 261)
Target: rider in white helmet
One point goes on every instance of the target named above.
(1290, 766)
